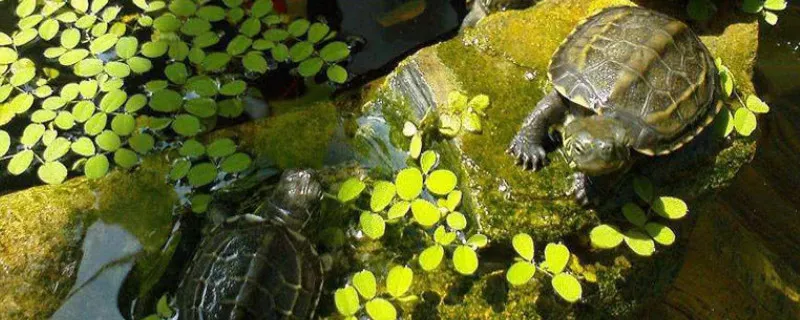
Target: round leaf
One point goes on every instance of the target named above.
(5, 142)
(398, 210)
(335, 51)
(441, 182)
(202, 174)
(380, 309)
(634, 214)
(192, 148)
(236, 163)
(425, 213)
(640, 243)
(221, 148)
(520, 273)
(399, 281)
(179, 169)
(409, 183)
(556, 256)
(605, 236)
(125, 158)
(123, 124)
(96, 167)
(364, 281)
(523, 245)
(350, 190)
(382, 194)
(310, 67)
(660, 233)
(372, 225)
(337, 74)
(186, 125)
(52, 172)
(346, 300)
(465, 260)
(431, 257)
(670, 207)
(108, 141)
(166, 100)
(744, 121)
(83, 146)
(20, 162)
(457, 221)
(567, 287)
(56, 149)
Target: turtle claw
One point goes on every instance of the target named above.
(582, 190)
(530, 156)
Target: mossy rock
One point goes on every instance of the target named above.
(506, 57)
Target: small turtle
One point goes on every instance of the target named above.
(257, 265)
(625, 78)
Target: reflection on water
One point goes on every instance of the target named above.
(108, 256)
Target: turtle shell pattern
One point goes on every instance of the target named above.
(252, 270)
(644, 68)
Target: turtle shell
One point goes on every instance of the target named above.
(251, 270)
(644, 68)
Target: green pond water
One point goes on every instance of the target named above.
(117, 247)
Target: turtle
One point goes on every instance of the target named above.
(626, 78)
(257, 265)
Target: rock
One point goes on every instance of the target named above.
(505, 57)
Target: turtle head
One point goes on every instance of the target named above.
(297, 197)
(596, 145)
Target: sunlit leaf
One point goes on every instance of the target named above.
(670, 207)
(465, 260)
(383, 193)
(520, 273)
(20, 162)
(95, 124)
(31, 135)
(52, 172)
(605, 236)
(380, 309)
(409, 183)
(431, 257)
(202, 174)
(346, 300)
(335, 51)
(83, 146)
(567, 287)
(350, 190)
(443, 237)
(88, 67)
(96, 167)
(103, 43)
(660, 233)
(640, 243)
(56, 149)
(556, 257)
(336, 74)
(398, 210)
(523, 245)
(441, 182)
(125, 158)
(424, 212)
(399, 280)
(236, 163)
(364, 281)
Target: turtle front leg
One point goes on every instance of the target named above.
(583, 191)
(528, 145)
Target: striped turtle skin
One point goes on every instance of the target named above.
(644, 68)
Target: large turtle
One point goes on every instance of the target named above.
(625, 78)
(257, 265)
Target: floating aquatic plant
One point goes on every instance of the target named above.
(765, 8)
(462, 112)
(743, 119)
(377, 305)
(644, 233)
(82, 116)
(163, 310)
(556, 257)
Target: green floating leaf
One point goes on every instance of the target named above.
(478, 240)
(83, 110)
(634, 214)
(726, 77)
(428, 161)
(166, 100)
(221, 148)
(88, 88)
(425, 213)
(364, 281)
(605, 236)
(317, 32)
(670, 207)
(182, 8)
(441, 182)
(556, 257)
(567, 287)
(233, 88)
(276, 35)
(70, 38)
(238, 45)
(775, 5)
(201, 107)
(350, 190)
(73, 56)
(443, 237)
(298, 27)
(202, 174)
(415, 148)
(195, 26)
(261, 8)
(372, 225)
(20, 162)
(216, 61)
(125, 158)
(399, 281)
(660, 233)
(103, 43)
(141, 142)
(431, 257)
(25, 8)
(380, 309)
(52, 172)
(49, 29)
(471, 122)
(139, 65)
(301, 51)
(744, 121)
(398, 210)
(280, 53)
(755, 105)
(166, 23)
(117, 69)
(335, 51)
(523, 245)
(640, 243)
(520, 273)
(236, 163)
(192, 148)
(457, 221)
(409, 183)
(177, 72)
(346, 300)
(88, 68)
(382, 194)
(179, 169)
(8, 55)
(31, 135)
(337, 74)
(154, 49)
(465, 260)
(643, 188)
(21, 103)
(112, 100)
(108, 141)
(83, 146)
(200, 202)
(5, 142)
(186, 125)
(42, 116)
(250, 27)
(211, 13)
(56, 149)
(24, 36)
